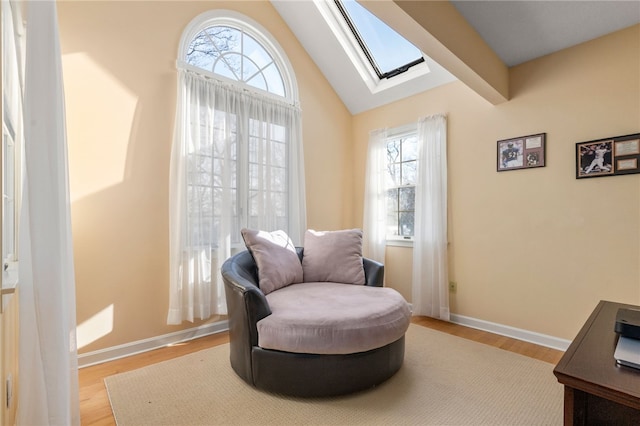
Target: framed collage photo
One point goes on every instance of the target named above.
(522, 153)
(615, 156)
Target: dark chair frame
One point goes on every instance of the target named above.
(296, 374)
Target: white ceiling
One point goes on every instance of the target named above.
(517, 31)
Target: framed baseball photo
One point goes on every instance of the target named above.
(619, 155)
(522, 153)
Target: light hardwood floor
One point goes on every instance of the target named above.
(94, 402)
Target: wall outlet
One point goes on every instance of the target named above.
(453, 286)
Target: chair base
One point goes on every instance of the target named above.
(310, 375)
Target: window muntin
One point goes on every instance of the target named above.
(387, 51)
(232, 53)
(401, 167)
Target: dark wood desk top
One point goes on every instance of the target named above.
(588, 364)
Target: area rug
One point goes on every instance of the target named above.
(445, 380)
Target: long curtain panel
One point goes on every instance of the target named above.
(48, 391)
(430, 291)
(236, 162)
(375, 211)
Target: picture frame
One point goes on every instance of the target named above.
(619, 155)
(524, 152)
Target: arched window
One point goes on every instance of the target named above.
(236, 160)
(232, 53)
(235, 48)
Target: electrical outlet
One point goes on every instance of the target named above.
(453, 286)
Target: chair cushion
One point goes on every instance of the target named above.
(276, 258)
(334, 256)
(333, 318)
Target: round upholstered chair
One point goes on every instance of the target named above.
(298, 373)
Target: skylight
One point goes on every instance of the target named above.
(388, 52)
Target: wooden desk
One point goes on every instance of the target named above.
(596, 389)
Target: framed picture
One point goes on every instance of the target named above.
(608, 157)
(522, 153)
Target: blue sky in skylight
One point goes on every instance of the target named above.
(389, 49)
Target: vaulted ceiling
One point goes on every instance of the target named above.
(473, 41)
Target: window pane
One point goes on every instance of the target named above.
(278, 178)
(392, 224)
(409, 149)
(393, 175)
(225, 39)
(255, 201)
(254, 51)
(257, 81)
(228, 66)
(406, 224)
(274, 80)
(249, 70)
(393, 151)
(278, 133)
(255, 178)
(201, 52)
(409, 173)
(392, 200)
(279, 204)
(407, 198)
(278, 154)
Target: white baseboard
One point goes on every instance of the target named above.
(116, 352)
(139, 346)
(516, 333)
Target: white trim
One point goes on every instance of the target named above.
(120, 351)
(516, 333)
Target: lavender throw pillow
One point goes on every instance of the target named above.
(333, 256)
(276, 258)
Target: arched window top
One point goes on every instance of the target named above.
(230, 45)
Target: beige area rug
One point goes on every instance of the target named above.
(445, 380)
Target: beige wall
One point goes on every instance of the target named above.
(534, 249)
(120, 84)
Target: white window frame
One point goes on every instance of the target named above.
(394, 134)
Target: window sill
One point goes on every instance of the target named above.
(400, 243)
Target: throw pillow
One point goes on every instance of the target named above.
(334, 256)
(276, 258)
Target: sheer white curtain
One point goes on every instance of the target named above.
(375, 211)
(236, 162)
(48, 391)
(430, 291)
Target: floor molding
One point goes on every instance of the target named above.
(116, 352)
(516, 333)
